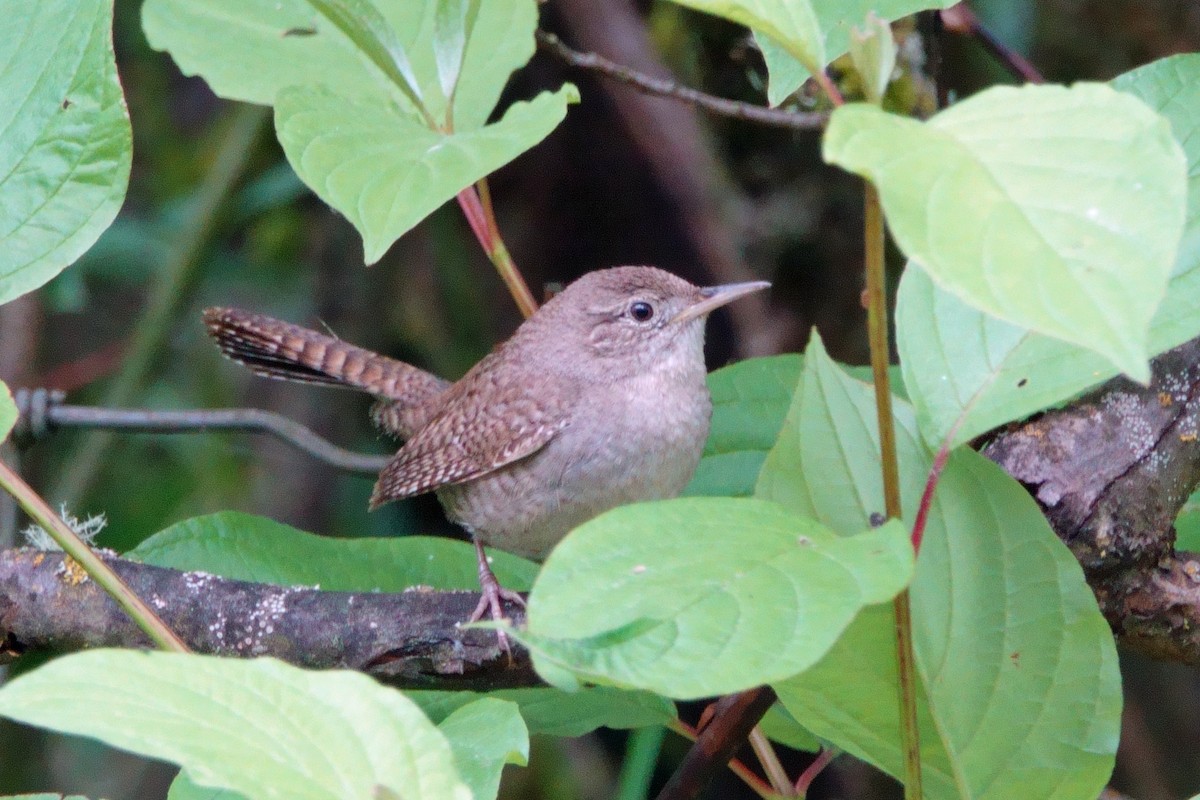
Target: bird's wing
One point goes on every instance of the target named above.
(491, 418)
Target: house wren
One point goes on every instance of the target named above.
(599, 399)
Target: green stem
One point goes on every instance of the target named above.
(92, 564)
(167, 293)
(641, 756)
(877, 332)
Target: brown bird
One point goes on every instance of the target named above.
(597, 400)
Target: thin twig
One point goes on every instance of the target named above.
(39, 416)
(661, 87)
(962, 20)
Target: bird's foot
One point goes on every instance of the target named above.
(492, 595)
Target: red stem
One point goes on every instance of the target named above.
(823, 760)
(935, 473)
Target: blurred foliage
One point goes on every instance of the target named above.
(582, 200)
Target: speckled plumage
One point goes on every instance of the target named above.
(586, 407)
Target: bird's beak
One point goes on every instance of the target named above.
(713, 297)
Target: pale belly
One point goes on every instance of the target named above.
(648, 451)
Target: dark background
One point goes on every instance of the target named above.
(626, 179)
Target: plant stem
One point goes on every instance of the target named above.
(93, 565)
(756, 784)
(476, 203)
(641, 754)
(762, 748)
(877, 332)
(823, 760)
(167, 293)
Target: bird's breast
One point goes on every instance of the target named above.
(633, 440)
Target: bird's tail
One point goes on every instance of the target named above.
(276, 349)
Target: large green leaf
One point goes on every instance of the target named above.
(65, 141)
(836, 18)
(964, 365)
(370, 107)
(386, 171)
(261, 728)
(484, 733)
(641, 595)
(750, 399)
(793, 25)
(249, 548)
(1020, 687)
(484, 736)
(553, 712)
(184, 788)
(1025, 203)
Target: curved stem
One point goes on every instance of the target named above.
(476, 203)
(92, 564)
(823, 760)
(877, 331)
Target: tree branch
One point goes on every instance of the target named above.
(408, 640)
(1111, 472)
(661, 87)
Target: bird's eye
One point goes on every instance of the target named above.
(641, 311)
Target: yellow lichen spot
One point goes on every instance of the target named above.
(73, 573)
(38, 559)
(1164, 399)
(1187, 437)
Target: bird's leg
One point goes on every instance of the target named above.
(492, 594)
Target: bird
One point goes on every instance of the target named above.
(598, 399)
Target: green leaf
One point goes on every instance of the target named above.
(554, 712)
(387, 171)
(641, 595)
(836, 18)
(793, 25)
(780, 726)
(370, 33)
(750, 399)
(359, 96)
(1064, 234)
(249, 548)
(8, 412)
(485, 735)
(66, 144)
(261, 727)
(873, 52)
(454, 23)
(1020, 686)
(1187, 525)
(825, 463)
(184, 788)
(965, 364)
(267, 45)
